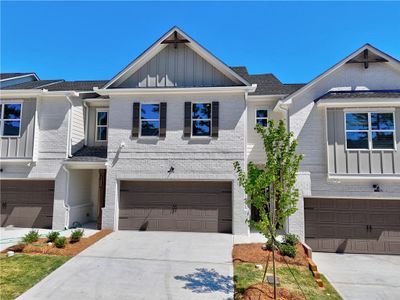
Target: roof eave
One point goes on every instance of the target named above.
(127, 91)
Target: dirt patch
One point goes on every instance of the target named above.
(266, 292)
(253, 253)
(70, 249)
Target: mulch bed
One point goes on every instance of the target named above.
(70, 249)
(253, 253)
(266, 292)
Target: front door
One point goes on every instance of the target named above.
(101, 196)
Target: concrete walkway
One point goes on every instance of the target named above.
(360, 276)
(145, 265)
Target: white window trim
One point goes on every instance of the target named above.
(97, 125)
(260, 118)
(369, 131)
(191, 121)
(2, 120)
(140, 121)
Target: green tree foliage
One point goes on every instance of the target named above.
(272, 184)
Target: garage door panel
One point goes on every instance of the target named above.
(27, 203)
(177, 206)
(393, 247)
(369, 226)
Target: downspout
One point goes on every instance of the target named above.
(86, 121)
(66, 206)
(69, 143)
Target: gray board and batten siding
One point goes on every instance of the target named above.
(347, 162)
(21, 146)
(176, 67)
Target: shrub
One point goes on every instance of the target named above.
(30, 237)
(76, 235)
(60, 242)
(287, 250)
(268, 245)
(291, 239)
(52, 236)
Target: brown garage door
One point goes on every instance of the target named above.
(353, 225)
(26, 203)
(176, 206)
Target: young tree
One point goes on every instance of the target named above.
(271, 187)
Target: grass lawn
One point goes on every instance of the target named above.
(245, 274)
(21, 271)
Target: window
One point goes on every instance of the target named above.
(370, 130)
(201, 119)
(262, 117)
(150, 120)
(101, 125)
(10, 119)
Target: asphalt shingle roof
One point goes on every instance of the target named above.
(267, 84)
(11, 75)
(360, 94)
(58, 85)
(83, 85)
(90, 154)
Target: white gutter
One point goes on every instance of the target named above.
(21, 93)
(130, 91)
(86, 121)
(66, 206)
(34, 92)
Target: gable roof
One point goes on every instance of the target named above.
(352, 58)
(160, 44)
(267, 84)
(9, 76)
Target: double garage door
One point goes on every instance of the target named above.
(353, 225)
(176, 206)
(26, 203)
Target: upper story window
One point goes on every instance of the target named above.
(10, 119)
(101, 125)
(150, 119)
(201, 119)
(262, 117)
(370, 130)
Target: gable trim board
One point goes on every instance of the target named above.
(390, 60)
(158, 46)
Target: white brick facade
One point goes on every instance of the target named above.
(193, 159)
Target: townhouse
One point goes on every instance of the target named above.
(153, 147)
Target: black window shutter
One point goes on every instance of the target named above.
(188, 119)
(215, 119)
(163, 119)
(136, 119)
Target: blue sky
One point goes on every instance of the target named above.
(95, 40)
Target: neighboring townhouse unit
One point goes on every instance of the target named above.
(153, 148)
(8, 79)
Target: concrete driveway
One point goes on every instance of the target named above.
(360, 276)
(145, 265)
